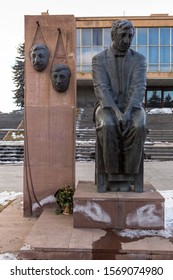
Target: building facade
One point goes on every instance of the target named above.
(153, 38)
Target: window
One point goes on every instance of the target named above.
(160, 97)
(142, 36)
(86, 56)
(90, 42)
(134, 40)
(155, 43)
(107, 37)
(142, 50)
(153, 55)
(153, 36)
(164, 36)
(86, 37)
(154, 98)
(168, 98)
(97, 37)
(78, 37)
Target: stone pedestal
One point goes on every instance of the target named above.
(119, 210)
(49, 161)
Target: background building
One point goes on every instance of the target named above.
(153, 38)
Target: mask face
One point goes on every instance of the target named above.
(60, 77)
(122, 39)
(39, 56)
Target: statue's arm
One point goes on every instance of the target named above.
(136, 90)
(102, 85)
(138, 84)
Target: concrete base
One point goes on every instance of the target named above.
(60, 240)
(118, 210)
(54, 238)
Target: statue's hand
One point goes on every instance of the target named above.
(126, 123)
(119, 121)
(127, 117)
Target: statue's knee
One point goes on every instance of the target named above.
(105, 122)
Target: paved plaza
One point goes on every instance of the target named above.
(15, 228)
(158, 173)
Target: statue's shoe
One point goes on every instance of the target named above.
(124, 186)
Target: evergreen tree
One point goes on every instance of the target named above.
(168, 101)
(154, 101)
(18, 76)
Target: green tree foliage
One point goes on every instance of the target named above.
(168, 102)
(154, 101)
(18, 76)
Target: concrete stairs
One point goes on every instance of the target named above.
(161, 151)
(9, 121)
(158, 146)
(11, 152)
(160, 135)
(85, 144)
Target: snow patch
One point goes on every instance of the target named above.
(17, 136)
(167, 232)
(160, 111)
(46, 200)
(94, 212)
(5, 197)
(144, 216)
(7, 256)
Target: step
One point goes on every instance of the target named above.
(102, 210)
(61, 241)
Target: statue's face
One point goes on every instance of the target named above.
(60, 79)
(39, 57)
(122, 39)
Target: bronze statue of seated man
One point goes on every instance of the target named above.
(119, 77)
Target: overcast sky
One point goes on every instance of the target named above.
(12, 26)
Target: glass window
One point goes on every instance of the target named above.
(78, 37)
(133, 48)
(164, 67)
(164, 54)
(86, 68)
(78, 68)
(153, 54)
(154, 98)
(78, 55)
(153, 36)
(142, 49)
(86, 56)
(86, 37)
(154, 43)
(97, 36)
(164, 36)
(107, 37)
(96, 50)
(153, 67)
(134, 40)
(142, 36)
(172, 54)
(168, 98)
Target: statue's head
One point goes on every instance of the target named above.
(39, 55)
(60, 76)
(122, 33)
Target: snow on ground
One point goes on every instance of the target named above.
(160, 111)
(6, 197)
(167, 232)
(7, 256)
